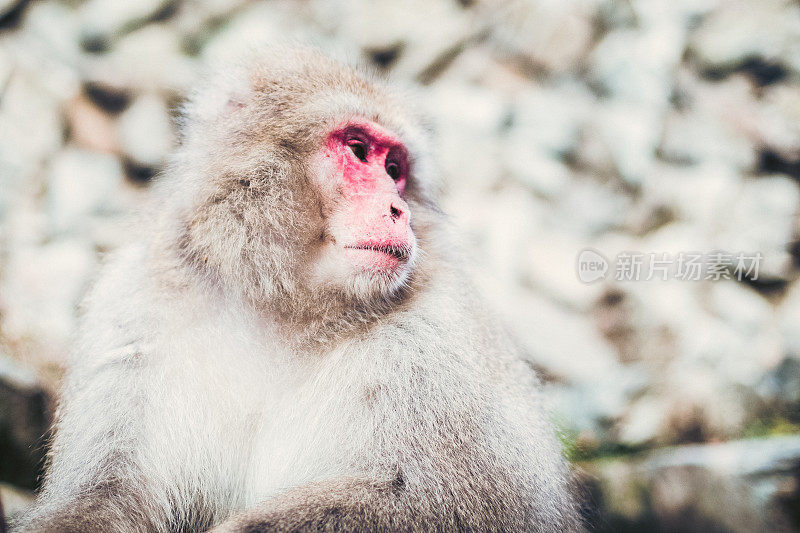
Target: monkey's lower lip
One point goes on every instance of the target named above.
(401, 253)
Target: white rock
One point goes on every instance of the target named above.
(706, 331)
(81, 184)
(595, 406)
(551, 118)
(753, 345)
(595, 388)
(700, 397)
(780, 119)
(259, 23)
(734, 358)
(30, 126)
(148, 60)
(15, 500)
(7, 5)
(741, 28)
(40, 289)
(705, 354)
(699, 137)
(108, 19)
(194, 16)
(674, 304)
(788, 317)
(425, 31)
(646, 319)
(630, 132)
(468, 146)
(25, 223)
(697, 195)
(678, 12)
(553, 35)
(499, 227)
(744, 457)
(724, 122)
(545, 125)
(637, 65)
(740, 307)
(13, 373)
(478, 66)
(644, 422)
(551, 268)
(146, 132)
(727, 214)
(761, 219)
(566, 344)
(48, 42)
(588, 208)
(544, 173)
(613, 243)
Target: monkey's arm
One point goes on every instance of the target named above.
(343, 505)
(94, 480)
(356, 505)
(103, 508)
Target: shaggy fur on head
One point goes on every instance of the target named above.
(243, 208)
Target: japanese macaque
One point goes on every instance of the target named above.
(292, 344)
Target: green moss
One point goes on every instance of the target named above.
(576, 451)
(607, 450)
(767, 427)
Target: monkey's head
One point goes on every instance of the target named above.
(304, 185)
(367, 244)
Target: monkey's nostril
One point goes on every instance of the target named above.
(395, 212)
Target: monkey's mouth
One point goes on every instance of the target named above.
(399, 252)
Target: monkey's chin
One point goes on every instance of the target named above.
(364, 271)
(378, 283)
(379, 270)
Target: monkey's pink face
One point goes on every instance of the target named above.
(369, 241)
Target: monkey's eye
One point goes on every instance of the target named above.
(359, 149)
(393, 169)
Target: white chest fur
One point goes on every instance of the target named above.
(248, 420)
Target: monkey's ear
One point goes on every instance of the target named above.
(211, 107)
(221, 94)
(213, 103)
(233, 105)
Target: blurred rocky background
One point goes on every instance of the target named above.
(660, 126)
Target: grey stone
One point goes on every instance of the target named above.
(739, 486)
(15, 500)
(146, 132)
(25, 417)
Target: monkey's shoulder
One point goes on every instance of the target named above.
(446, 331)
(118, 313)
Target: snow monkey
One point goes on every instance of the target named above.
(292, 344)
